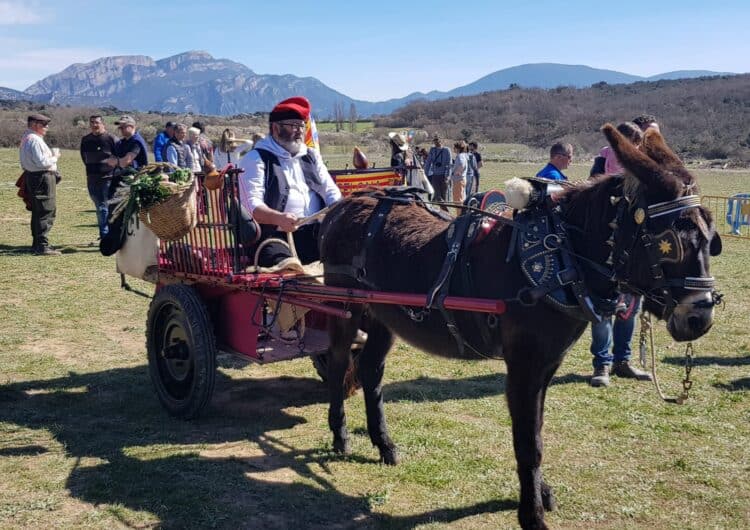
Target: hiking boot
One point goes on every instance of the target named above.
(624, 369)
(601, 376)
(47, 251)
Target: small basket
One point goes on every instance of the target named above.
(175, 216)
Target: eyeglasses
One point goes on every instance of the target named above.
(294, 125)
(42, 124)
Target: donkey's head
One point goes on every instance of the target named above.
(663, 237)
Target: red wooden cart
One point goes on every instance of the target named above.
(209, 298)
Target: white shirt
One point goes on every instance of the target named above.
(303, 201)
(35, 155)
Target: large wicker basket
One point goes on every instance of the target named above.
(174, 217)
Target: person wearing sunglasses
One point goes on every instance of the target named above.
(285, 181)
(39, 164)
(560, 156)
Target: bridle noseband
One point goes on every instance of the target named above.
(633, 224)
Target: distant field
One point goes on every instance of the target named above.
(329, 126)
(85, 444)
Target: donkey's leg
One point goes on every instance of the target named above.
(548, 498)
(525, 391)
(371, 368)
(342, 333)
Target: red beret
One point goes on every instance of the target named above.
(296, 108)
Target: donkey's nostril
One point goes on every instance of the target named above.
(695, 323)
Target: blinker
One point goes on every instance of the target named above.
(668, 247)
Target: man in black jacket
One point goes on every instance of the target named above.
(96, 148)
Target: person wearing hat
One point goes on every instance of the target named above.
(161, 140)
(39, 164)
(285, 181)
(437, 167)
(131, 150)
(399, 145)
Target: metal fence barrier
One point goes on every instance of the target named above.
(732, 214)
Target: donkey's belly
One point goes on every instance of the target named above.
(431, 334)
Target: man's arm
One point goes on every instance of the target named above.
(171, 154)
(41, 155)
(127, 158)
(252, 190)
(332, 192)
(158, 146)
(83, 157)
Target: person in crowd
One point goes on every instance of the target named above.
(437, 167)
(560, 156)
(205, 143)
(39, 164)
(399, 145)
(422, 155)
(472, 170)
(230, 149)
(285, 181)
(177, 151)
(197, 157)
(96, 148)
(615, 332)
(161, 140)
(130, 150)
(474, 148)
(459, 171)
(646, 121)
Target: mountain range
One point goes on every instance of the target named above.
(195, 82)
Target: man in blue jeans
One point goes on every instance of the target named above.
(96, 148)
(617, 335)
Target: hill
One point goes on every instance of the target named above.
(706, 117)
(196, 82)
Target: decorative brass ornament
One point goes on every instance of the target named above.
(639, 216)
(665, 247)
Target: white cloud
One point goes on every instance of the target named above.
(12, 13)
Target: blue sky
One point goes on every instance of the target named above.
(379, 50)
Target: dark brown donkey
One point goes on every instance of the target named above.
(644, 233)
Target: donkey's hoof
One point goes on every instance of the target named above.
(548, 499)
(389, 456)
(342, 446)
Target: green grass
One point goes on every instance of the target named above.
(84, 442)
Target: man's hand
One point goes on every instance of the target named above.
(287, 222)
(111, 161)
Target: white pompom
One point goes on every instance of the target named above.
(518, 192)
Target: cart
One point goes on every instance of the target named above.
(210, 298)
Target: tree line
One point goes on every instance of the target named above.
(701, 118)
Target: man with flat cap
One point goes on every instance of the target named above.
(284, 181)
(39, 164)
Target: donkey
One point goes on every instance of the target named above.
(643, 233)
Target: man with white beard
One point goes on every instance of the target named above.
(285, 181)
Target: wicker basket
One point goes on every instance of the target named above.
(174, 217)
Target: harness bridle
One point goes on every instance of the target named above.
(637, 222)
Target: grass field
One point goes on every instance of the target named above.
(84, 442)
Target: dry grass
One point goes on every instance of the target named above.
(84, 443)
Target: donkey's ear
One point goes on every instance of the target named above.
(655, 147)
(646, 170)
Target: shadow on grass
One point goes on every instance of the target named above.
(734, 386)
(114, 418)
(702, 360)
(15, 249)
(569, 378)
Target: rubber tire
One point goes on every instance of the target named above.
(178, 315)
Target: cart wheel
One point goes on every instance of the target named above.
(181, 350)
(351, 381)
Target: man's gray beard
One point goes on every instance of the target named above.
(293, 146)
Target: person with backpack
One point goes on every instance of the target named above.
(284, 181)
